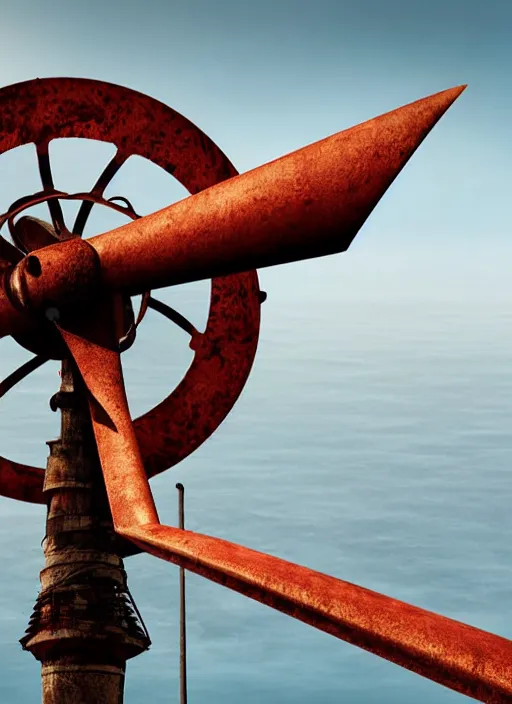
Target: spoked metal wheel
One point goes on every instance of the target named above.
(43, 110)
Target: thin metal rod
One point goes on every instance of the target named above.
(20, 373)
(54, 206)
(103, 181)
(183, 626)
(172, 315)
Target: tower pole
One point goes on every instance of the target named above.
(85, 625)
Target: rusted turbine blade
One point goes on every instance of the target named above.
(307, 204)
(93, 344)
(458, 656)
(32, 233)
(453, 654)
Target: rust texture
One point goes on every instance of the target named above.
(463, 658)
(84, 623)
(41, 110)
(92, 342)
(466, 659)
(12, 318)
(31, 290)
(307, 204)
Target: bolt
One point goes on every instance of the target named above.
(52, 314)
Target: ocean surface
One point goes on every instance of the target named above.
(372, 442)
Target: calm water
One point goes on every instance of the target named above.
(372, 442)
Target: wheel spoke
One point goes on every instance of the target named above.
(144, 305)
(45, 171)
(173, 315)
(130, 210)
(20, 373)
(104, 179)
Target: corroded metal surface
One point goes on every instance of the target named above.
(311, 203)
(92, 342)
(173, 429)
(306, 204)
(466, 659)
(31, 233)
(222, 362)
(31, 290)
(53, 108)
(61, 684)
(18, 481)
(41, 110)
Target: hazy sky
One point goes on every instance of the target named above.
(265, 78)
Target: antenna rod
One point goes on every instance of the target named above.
(183, 626)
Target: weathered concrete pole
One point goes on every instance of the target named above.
(85, 625)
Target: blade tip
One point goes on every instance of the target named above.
(451, 94)
(457, 90)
